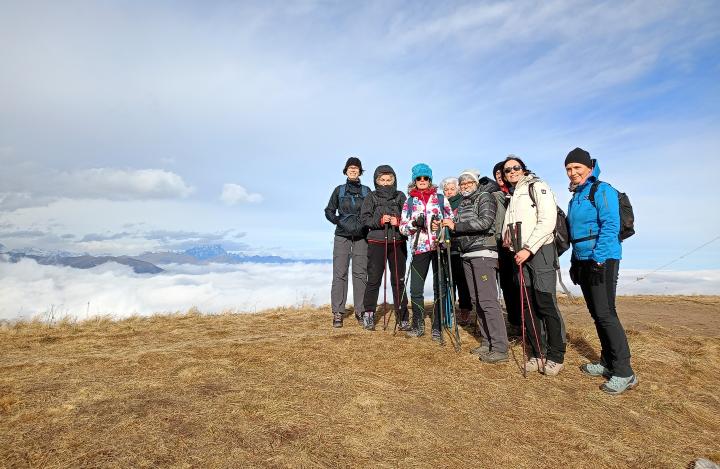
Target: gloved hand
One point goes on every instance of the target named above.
(575, 272)
(595, 273)
(419, 221)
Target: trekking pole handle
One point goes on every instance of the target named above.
(513, 238)
(518, 224)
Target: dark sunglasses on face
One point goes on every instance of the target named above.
(422, 178)
(510, 169)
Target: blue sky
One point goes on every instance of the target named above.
(133, 126)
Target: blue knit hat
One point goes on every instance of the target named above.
(421, 169)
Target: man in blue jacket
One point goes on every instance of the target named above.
(594, 225)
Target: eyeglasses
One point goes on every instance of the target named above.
(422, 178)
(510, 169)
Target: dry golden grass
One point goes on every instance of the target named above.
(283, 389)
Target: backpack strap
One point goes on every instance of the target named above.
(343, 190)
(364, 190)
(531, 189)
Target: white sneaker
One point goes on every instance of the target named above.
(534, 364)
(552, 368)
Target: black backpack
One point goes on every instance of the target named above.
(561, 232)
(627, 217)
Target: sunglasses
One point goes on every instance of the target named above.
(510, 169)
(422, 178)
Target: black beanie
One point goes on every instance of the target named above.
(498, 167)
(352, 161)
(579, 155)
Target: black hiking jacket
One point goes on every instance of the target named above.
(475, 219)
(384, 200)
(345, 214)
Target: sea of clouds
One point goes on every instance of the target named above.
(29, 290)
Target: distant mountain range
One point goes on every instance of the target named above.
(147, 263)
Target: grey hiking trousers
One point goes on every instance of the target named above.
(480, 274)
(343, 250)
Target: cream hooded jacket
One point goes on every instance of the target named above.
(538, 223)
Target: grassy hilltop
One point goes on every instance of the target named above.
(283, 389)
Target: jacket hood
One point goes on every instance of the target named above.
(486, 184)
(596, 170)
(594, 176)
(384, 169)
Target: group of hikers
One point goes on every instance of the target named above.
(499, 229)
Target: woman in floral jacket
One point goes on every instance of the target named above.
(421, 217)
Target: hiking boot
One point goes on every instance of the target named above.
(494, 357)
(436, 335)
(369, 321)
(534, 364)
(359, 317)
(553, 368)
(337, 319)
(404, 326)
(595, 369)
(483, 349)
(463, 318)
(416, 332)
(617, 385)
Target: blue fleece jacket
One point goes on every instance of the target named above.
(601, 220)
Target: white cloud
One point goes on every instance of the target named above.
(122, 184)
(235, 193)
(28, 289)
(641, 282)
(30, 185)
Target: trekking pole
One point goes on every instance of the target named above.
(524, 293)
(437, 278)
(451, 286)
(409, 270)
(515, 246)
(385, 261)
(397, 282)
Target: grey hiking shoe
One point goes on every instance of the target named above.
(404, 326)
(483, 349)
(436, 335)
(553, 368)
(359, 317)
(337, 319)
(416, 332)
(494, 357)
(595, 369)
(617, 385)
(369, 321)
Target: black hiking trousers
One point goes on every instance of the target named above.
(419, 268)
(543, 322)
(600, 300)
(396, 258)
(509, 284)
